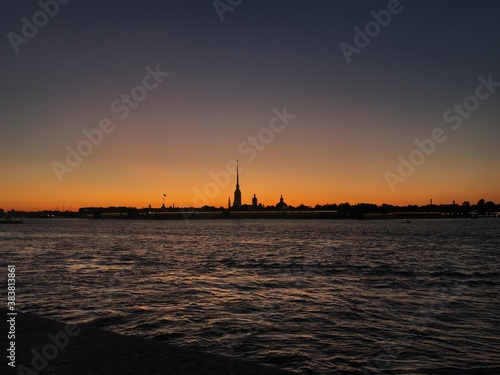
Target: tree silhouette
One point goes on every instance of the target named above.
(480, 207)
(465, 208)
(489, 207)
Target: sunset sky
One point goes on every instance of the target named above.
(229, 75)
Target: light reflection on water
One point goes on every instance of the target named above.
(315, 296)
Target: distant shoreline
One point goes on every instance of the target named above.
(360, 211)
(286, 216)
(252, 215)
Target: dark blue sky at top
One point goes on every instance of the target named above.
(274, 41)
(260, 41)
(279, 44)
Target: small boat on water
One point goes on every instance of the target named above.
(10, 221)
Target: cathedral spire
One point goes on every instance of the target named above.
(237, 175)
(237, 192)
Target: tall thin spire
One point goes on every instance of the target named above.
(237, 174)
(237, 192)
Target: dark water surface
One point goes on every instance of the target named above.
(319, 297)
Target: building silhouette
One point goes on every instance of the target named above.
(281, 204)
(237, 192)
(255, 202)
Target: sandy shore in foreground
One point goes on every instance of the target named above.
(44, 346)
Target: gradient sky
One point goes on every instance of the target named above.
(226, 77)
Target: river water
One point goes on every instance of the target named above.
(318, 297)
